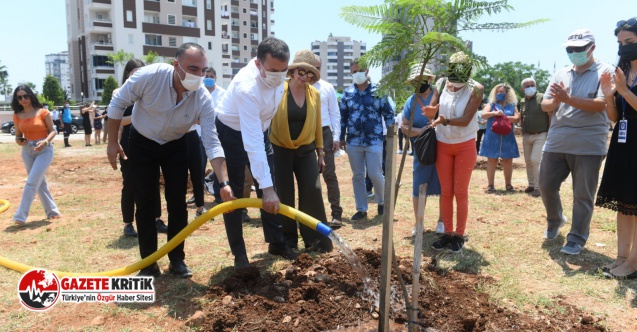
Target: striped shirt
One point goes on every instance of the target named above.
(248, 106)
(158, 116)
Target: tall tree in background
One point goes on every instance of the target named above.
(51, 90)
(512, 73)
(152, 57)
(5, 87)
(31, 85)
(119, 58)
(110, 84)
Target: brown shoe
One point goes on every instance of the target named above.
(529, 189)
(536, 193)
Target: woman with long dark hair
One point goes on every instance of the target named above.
(617, 189)
(34, 133)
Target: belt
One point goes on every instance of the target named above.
(326, 127)
(534, 133)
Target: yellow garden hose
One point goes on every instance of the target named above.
(180, 237)
(5, 205)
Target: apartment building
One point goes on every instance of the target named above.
(57, 65)
(229, 31)
(336, 54)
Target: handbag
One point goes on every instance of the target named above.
(501, 124)
(425, 146)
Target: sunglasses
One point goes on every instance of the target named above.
(629, 23)
(23, 97)
(303, 72)
(572, 49)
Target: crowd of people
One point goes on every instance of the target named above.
(278, 122)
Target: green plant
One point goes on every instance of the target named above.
(51, 90)
(119, 58)
(110, 84)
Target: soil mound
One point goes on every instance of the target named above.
(324, 294)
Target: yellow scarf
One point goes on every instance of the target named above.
(312, 128)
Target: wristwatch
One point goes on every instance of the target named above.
(446, 122)
(322, 153)
(224, 183)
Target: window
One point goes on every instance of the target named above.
(171, 0)
(172, 41)
(208, 4)
(99, 83)
(331, 53)
(130, 38)
(153, 40)
(245, 47)
(208, 24)
(244, 10)
(254, 36)
(210, 45)
(235, 34)
(101, 61)
(151, 19)
(129, 16)
(332, 60)
(235, 47)
(245, 35)
(245, 23)
(171, 19)
(224, 48)
(245, 60)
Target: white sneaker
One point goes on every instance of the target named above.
(440, 228)
(413, 232)
(400, 151)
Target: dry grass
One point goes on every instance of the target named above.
(506, 242)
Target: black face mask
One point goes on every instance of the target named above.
(628, 52)
(423, 87)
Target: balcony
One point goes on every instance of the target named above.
(173, 30)
(189, 3)
(102, 46)
(100, 26)
(98, 4)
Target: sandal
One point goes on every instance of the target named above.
(490, 190)
(510, 188)
(20, 223)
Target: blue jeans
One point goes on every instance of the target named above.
(36, 163)
(368, 158)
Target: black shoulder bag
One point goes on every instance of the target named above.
(425, 144)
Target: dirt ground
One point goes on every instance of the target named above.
(313, 293)
(324, 294)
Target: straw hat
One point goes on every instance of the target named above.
(304, 59)
(459, 57)
(414, 74)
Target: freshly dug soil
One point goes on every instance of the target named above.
(324, 294)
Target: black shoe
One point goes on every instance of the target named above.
(150, 271)
(241, 262)
(161, 226)
(244, 216)
(456, 244)
(381, 209)
(179, 269)
(359, 215)
(283, 251)
(442, 243)
(129, 230)
(191, 200)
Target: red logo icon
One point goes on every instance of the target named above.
(38, 290)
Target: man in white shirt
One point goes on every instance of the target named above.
(331, 121)
(167, 101)
(243, 119)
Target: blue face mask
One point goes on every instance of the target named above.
(209, 82)
(500, 96)
(578, 58)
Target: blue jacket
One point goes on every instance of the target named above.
(362, 113)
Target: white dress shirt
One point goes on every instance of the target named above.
(330, 112)
(156, 113)
(249, 106)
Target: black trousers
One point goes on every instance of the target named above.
(147, 158)
(236, 161)
(128, 184)
(302, 164)
(479, 138)
(196, 166)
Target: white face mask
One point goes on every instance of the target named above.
(67, 105)
(273, 78)
(359, 78)
(458, 85)
(190, 82)
(530, 91)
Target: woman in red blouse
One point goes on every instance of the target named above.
(34, 133)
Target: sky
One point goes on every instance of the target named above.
(299, 22)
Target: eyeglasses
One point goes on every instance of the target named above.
(572, 49)
(303, 72)
(25, 96)
(629, 23)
